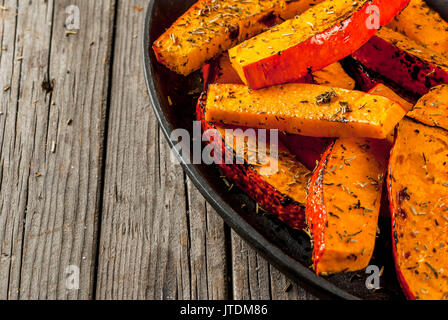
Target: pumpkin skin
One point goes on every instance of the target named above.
(343, 204)
(404, 62)
(367, 80)
(209, 28)
(308, 150)
(326, 33)
(417, 197)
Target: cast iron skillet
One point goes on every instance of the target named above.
(289, 250)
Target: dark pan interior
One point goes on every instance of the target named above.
(287, 249)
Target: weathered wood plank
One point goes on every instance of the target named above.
(51, 170)
(11, 194)
(208, 249)
(159, 239)
(251, 278)
(285, 289)
(255, 279)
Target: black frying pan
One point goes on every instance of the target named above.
(288, 250)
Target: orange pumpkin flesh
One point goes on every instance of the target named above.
(334, 76)
(210, 27)
(344, 199)
(301, 108)
(432, 108)
(326, 33)
(418, 183)
(384, 91)
(423, 25)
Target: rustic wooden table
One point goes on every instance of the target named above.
(86, 185)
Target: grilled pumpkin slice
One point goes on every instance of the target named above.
(326, 33)
(344, 200)
(418, 184)
(403, 61)
(281, 192)
(432, 108)
(210, 27)
(423, 25)
(221, 71)
(305, 109)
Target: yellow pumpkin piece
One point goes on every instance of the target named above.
(305, 109)
(210, 27)
(324, 34)
(432, 108)
(334, 76)
(418, 193)
(385, 91)
(343, 204)
(423, 25)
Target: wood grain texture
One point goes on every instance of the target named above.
(208, 249)
(159, 239)
(86, 178)
(51, 171)
(255, 279)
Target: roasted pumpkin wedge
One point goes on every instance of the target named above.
(344, 199)
(382, 90)
(281, 192)
(333, 75)
(301, 108)
(424, 25)
(326, 33)
(210, 27)
(418, 183)
(403, 61)
(432, 108)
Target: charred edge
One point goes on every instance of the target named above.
(423, 124)
(318, 185)
(367, 79)
(320, 179)
(234, 32)
(269, 20)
